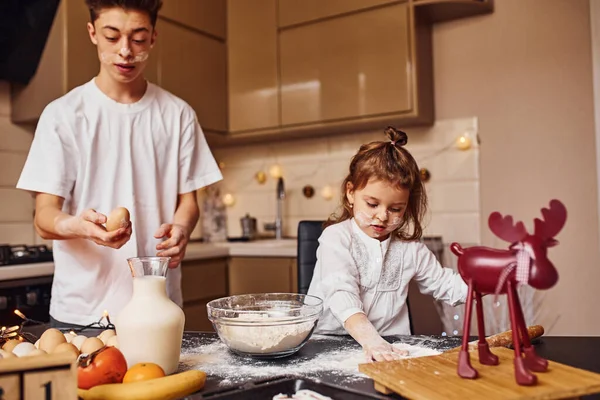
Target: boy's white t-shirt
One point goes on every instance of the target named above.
(100, 154)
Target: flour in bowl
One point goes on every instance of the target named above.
(264, 339)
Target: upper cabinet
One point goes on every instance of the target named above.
(252, 65)
(194, 67)
(69, 60)
(350, 67)
(299, 68)
(292, 12)
(207, 16)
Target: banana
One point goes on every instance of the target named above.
(169, 387)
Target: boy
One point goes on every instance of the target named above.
(117, 140)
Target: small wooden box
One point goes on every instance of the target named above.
(42, 377)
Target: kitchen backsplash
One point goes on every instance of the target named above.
(453, 190)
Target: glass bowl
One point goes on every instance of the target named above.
(265, 325)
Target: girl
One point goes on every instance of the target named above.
(368, 254)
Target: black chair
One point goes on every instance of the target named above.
(308, 242)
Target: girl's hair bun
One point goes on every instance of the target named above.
(397, 137)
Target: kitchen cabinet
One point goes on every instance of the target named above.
(262, 275)
(207, 16)
(292, 12)
(69, 59)
(202, 281)
(252, 65)
(193, 67)
(447, 10)
(368, 70)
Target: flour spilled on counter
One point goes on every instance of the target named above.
(216, 359)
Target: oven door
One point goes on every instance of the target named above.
(31, 296)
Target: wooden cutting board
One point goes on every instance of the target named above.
(435, 377)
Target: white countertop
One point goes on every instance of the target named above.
(195, 251)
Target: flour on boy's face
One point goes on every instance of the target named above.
(378, 207)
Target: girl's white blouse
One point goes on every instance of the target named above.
(356, 273)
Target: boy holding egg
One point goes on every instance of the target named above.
(117, 143)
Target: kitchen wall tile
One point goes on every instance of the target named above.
(320, 162)
(17, 206)
(11, 165)
(455, 227)
(454, 196)
(17, 233)
(15, 138)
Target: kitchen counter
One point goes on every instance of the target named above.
(195, 251)
(226, 371)
(580, 352)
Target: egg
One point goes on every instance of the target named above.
(118, 218)
(67, 348)
(91, 344)
(113, 341)
(6, 354)
(69, 336)
(50, 339)
(10, 345)
(36, 352)
(78, 340)
(22, 349)
(105, 335)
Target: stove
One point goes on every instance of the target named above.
(23, 254)
(31, 296)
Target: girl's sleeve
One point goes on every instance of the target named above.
(443, 284)
(339, 276)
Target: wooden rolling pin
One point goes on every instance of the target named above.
(504, 339)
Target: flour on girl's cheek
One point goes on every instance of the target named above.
(363, 219)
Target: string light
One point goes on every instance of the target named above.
(327, 192)
(275, 171)
(463, 142)
(228, 200)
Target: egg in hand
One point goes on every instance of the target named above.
(118, 218)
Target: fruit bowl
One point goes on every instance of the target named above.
(265, 325)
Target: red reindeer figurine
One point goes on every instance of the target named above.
(493, 271)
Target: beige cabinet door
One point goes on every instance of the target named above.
(293, 12)
(82, 55)
(208, 16)
(262, 275)
(347, 67)
(193, 66)
(252, 65)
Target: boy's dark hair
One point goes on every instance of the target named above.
(150, 6)
(388, 161)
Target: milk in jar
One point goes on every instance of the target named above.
(150, 327)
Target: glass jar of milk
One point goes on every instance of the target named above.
(150, 326)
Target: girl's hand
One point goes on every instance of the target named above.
(383, 351)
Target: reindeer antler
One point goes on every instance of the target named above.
(503, 228)
(553, 222)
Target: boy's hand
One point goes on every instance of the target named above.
(89, 226)
(175, 245)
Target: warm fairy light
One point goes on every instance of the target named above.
(20, 314)
(327, 192)
(463, 142)
(275, 171)
(228, 200)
